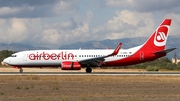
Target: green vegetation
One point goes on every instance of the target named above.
(152, 68)
(18, 87)
(159, 64)
(1, 93)
(5, 54)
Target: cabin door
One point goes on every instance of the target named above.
(141, 55)
(25, 57)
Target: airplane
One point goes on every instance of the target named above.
(152, 49)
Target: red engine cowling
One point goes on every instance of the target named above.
(68, 65)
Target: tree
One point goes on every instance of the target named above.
(5, 53)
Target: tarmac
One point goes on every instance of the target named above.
(97, 71)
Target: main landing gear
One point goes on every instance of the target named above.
(88, 70)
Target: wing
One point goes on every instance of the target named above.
(98, 61)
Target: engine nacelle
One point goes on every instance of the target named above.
(68, 65)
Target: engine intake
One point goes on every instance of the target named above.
(68, 65)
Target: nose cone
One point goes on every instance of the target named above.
(6, 61)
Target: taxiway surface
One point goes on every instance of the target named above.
(46, 71)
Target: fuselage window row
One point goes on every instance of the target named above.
(83, 56)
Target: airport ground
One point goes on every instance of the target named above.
(88, 87)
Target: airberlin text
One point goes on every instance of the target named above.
(51, 56)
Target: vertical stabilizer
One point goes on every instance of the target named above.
(157, 41)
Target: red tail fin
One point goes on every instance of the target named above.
(158, 39)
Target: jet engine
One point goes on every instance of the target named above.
(69, 65)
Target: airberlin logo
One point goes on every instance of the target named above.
(161, 35)
(53, 56)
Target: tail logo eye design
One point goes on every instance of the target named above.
(161, 35)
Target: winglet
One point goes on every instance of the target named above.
(116, 51)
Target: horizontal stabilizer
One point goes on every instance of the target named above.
(164, 51)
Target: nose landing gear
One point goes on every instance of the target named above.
(21, 70)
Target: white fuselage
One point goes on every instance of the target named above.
(56, 57)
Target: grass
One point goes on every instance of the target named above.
(1, 93)
(18, 87)
(89, 88)
(152, 68)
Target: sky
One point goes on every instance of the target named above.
(52, 23)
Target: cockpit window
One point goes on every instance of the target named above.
(13, 55)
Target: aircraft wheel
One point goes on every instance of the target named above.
(21, 70)
(88, 70)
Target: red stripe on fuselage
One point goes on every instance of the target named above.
(138, 57)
